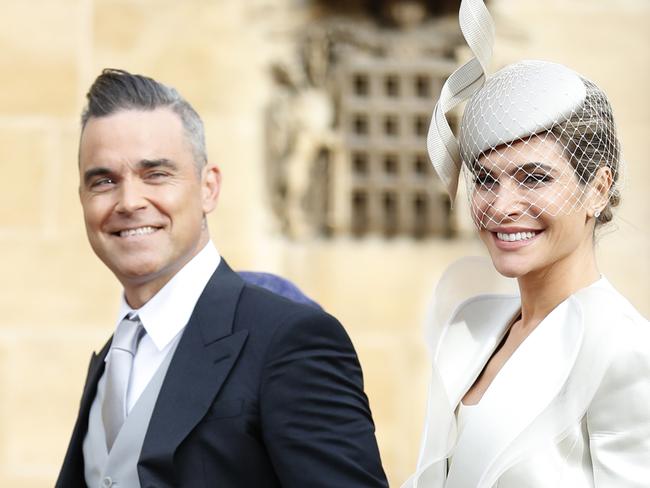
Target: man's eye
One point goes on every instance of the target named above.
(157, 175)
(101, 183)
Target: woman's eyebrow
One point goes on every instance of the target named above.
(530, 168)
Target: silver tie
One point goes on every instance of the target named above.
(118, 371)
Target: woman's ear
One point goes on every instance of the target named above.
(600, 187)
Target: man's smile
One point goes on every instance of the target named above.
(136, 231)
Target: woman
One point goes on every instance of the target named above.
(549, 387)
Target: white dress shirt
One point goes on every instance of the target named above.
(165, 316)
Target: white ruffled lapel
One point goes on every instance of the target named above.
(470, 339)
(525, 386)
(466, 343)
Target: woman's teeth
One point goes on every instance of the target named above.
(517, 236)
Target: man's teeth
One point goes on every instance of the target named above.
(517, 236)
(140, 231)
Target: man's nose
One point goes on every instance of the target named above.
(131, 196)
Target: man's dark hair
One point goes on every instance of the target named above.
(116, 90)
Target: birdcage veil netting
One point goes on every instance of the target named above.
(532, 140)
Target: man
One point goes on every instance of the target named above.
(207, 381)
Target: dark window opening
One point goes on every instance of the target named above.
(389, 203)
(359, 213)
(391, 86)
(421, 214)
(390, 164)
(421, 165)
(360, 163)
(361, 85)
(391, 125)
(360, 124)
(421, 125)
(423, 86)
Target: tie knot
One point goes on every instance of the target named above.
(128, 333)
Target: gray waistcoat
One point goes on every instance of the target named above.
(119, 467)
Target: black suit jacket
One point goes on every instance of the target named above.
(261, 392)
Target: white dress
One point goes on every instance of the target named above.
(569, 409)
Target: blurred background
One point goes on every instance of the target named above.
(317, 113)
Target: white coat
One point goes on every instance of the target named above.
(569, 409)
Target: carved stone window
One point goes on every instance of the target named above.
(402, 195)
(357, 106)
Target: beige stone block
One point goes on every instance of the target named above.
(66, 196)
(395, 370)
(39, 43)
(44, 373)
(51, 284)
(205, 49)
(240, 221)
(38, 159)
(23, 166)
(372, 285)
(44, 253)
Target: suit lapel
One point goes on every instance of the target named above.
(521, 391)
(95, 370)
(72, 470)
(203, 359)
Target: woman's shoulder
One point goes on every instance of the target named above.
(616, 331)
(602, 303)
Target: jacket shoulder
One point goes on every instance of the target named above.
(261, 309)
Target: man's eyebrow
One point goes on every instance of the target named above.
(157, 163)
(93, 172)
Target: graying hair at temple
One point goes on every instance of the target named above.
(116, 90)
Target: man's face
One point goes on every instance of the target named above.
(143, 198)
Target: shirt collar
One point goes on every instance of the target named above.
(169, 310)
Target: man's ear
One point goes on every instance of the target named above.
(600, 188)
(210, 187)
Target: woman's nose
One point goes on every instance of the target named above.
(501, 202)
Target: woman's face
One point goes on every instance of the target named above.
(529, 207)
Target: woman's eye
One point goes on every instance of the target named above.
(534, 179)
(484, 181)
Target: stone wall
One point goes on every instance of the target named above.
(57, 301)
